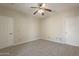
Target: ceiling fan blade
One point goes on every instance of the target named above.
(35, 12)
(48, 10)
(42, 13)
(33, 7)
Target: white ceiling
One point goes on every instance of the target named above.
(25, 7)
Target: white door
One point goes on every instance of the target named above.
(72, 30)
(6, 32)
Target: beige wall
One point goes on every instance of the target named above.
(25, 27)
(53, 28)
(62, 27)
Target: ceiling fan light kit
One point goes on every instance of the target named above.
(40, 11)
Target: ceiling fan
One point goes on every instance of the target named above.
(41, 8)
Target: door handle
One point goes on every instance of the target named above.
(10, 33)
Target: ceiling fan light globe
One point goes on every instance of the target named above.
(44, 5)
(40, 11)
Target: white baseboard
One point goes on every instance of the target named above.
(24, 42)
(72, 44)
(18, 43)
(44, 39)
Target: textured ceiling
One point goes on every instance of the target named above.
(25, 7)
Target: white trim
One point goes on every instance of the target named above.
(24, 42)
(63, 42)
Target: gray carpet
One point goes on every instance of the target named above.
(41, 48)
